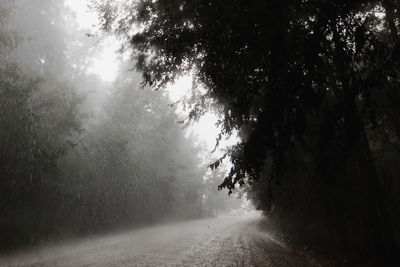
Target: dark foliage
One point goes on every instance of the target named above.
(312, 88)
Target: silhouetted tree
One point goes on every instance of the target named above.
(302, 82)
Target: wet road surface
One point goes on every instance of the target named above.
(223, 241)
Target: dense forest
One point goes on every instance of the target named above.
(80, 155)
(312, 87)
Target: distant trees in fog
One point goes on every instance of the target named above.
(65, 168)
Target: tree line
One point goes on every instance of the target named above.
(79, 155)
(312, 87)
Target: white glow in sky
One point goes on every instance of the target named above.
(205, 128)
(207, 131)
(106, 63)
(180, 88)
(84, 17)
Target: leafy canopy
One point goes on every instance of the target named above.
(269, 67)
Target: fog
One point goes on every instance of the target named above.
(85, 149)
(188, 133)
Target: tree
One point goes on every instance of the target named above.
(132, 165)
(39, 118)
(65, 173)
(295, 78)
(216, 201)
(36, 131)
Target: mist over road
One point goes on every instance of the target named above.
(223, 241)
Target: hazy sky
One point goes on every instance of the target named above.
(105, 64)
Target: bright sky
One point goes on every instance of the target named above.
(84, 17)
(205, 128)
(105, 64)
